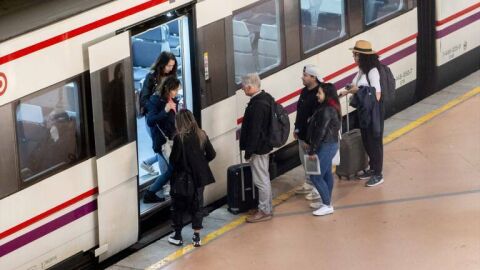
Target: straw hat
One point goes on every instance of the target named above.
(363, 46)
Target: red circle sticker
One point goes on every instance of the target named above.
(3, 83)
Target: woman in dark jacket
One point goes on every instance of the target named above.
(322, 139)
(162, 108)
(194, 141)
(164, 66)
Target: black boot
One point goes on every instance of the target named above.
(196, 240)
(151, 197)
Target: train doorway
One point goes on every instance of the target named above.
(170, 34)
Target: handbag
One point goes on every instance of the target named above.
(167, 146)
(183, 181)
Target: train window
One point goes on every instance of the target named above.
(322, 22)
(8, 166)
(376, 10)
(256, 39)
(49, 130)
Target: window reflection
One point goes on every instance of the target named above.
(256, 39)
(322, 21)
(48, 130)
(377, 9)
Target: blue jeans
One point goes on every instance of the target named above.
(165, 173)
(324, 182)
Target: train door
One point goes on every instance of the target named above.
(115, 145)
(170, 34)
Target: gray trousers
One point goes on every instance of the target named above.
(302, 153)
(261, 179)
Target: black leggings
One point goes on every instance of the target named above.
(193, 205)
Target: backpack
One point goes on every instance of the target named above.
(148, 89)
(279, 128)
(387, 83)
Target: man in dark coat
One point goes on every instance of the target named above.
(254, 141)
(307, 102)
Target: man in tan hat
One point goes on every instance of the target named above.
(306, 104)
(368, 75)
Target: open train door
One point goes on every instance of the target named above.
(115, 144)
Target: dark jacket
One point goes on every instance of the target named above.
(148, 88)
(322, 128)
(158, 118)
(256, 121)
(307, 102)
(369, 110)
(197, 159)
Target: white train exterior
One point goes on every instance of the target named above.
(93, 205)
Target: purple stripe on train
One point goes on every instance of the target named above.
(460, 24)
(348, 79)
(47, 228)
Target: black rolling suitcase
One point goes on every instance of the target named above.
(242, 195)
(353, 157)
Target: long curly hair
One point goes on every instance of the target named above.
(367, 61)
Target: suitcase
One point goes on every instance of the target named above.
(353, 157)
(242, 195)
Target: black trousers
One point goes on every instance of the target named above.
(374, 145)
(193, 205)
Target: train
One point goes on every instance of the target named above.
(71, 72)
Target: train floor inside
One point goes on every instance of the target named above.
(426, 215)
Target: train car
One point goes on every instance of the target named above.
(71, 72)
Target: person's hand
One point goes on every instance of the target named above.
(311, 157)
(342, 93)
(353, 89)
(306, 146)
(170, 106)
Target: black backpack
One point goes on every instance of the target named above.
(387, 83)
(279, 128)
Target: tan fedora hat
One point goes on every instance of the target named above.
(363, 46)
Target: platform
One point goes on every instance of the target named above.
(426, 215)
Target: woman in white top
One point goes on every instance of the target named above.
(367, 60)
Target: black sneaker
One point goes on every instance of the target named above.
(196, 240)
(151, 197)
(374, 181)
(175, 240)
(366, 175)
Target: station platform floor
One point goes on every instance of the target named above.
(426, 215)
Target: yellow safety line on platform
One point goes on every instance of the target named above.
(401, 131)
(282, 198)
(211, 236)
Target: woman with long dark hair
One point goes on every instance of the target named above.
(162, 108)
(322, 141)
(368, 75)
(164, 66)
(191, 153)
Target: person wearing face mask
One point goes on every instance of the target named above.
(322, 141)
(162, 108)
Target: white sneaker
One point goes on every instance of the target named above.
(148, 168)
(313, 195)
(316, 205)
(324, 210)
(166, 190)
(304, 189)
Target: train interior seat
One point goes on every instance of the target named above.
(268, 47)
(329, 25)
(243, 50)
